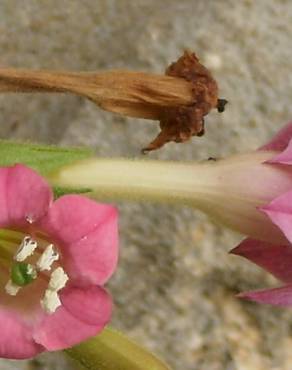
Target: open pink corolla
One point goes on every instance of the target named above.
(275, 256)
(84, 239)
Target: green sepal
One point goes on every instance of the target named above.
(59, 191)
(112, 350)
(45, 159)
(22, 273)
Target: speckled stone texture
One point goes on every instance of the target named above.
(175, 287)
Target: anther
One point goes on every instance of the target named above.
(58, 279)
(46, 260)
(50, 301)
(11, 288)
(26, 249)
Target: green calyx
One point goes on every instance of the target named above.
(45, 159)
(112, 350)
(22, 273)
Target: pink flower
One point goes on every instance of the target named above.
(274, 255)
(54, 259)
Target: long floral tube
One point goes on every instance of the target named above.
(229, 190)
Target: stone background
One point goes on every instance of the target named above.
(181, 304)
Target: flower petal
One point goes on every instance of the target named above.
(278, 296)
(93, 259)
(87, 234)
(92, 306)
(26, 194)
(16, 341)
(277, 259)
(280, 141)
(73, 217)
(280, 212)
(62, 330)
(285, 157)
(4, 219)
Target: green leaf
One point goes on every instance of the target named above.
(45, 159)
(112, 350)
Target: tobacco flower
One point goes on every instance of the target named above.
(276, 256)
(250, 193)
(54, 259)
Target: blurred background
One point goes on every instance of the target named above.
(175, 288)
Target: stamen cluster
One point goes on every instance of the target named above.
(23, 273)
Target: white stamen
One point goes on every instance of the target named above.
(11, 288)
(46, 260)
(51, 301)
(58, 279)
(31, 270)
(26, 249)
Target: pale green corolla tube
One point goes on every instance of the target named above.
(229, 190)
(111, 350)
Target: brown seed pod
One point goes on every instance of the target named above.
(179, 99)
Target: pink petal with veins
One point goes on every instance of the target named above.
(277, 259)
(285, 157)
(92, 305)
(84, 313)
(73, 217)
(16, 341)
(87, 235)
(93, 259)
(279, 211)
(4, 219)
(278, 296)
(28, 195)
(280, 141)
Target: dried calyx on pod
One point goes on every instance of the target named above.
(180, 123)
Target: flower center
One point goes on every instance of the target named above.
(28, 258)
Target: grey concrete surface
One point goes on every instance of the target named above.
(175, 287)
